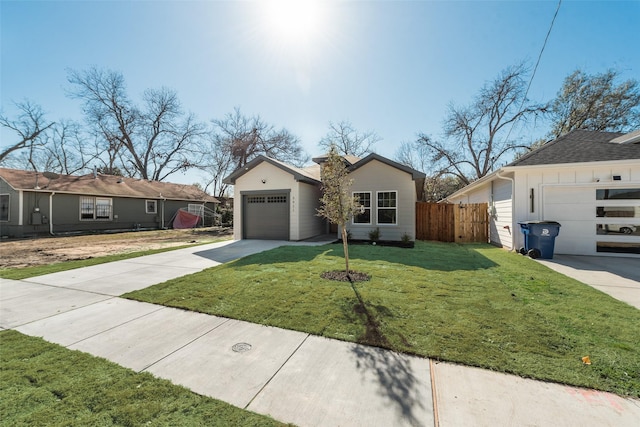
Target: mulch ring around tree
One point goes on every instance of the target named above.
(342, 276)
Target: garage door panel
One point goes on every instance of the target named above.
(569, 211)
(574, 209)
(578, 212)
(266, 216)
(569, 195)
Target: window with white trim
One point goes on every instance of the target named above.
(151, 206)
(387, 204)
(363, 216)
(95, 208)
(4, 207)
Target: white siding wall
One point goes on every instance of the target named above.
(567, 194)
(501, 219)
(498, 196)
(561, 193)
(377, 176)
(304, 207)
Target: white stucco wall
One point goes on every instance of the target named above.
(377, 176)
(303, 200)
(275, 179)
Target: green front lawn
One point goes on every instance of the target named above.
(472, 304)
(46, 384)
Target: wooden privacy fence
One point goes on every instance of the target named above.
(447, 222)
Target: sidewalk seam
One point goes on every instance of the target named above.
(434, 397)
(276, 372)
(117, 326)
(15, 327)
(186, 344)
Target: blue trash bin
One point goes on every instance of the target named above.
(539, 238)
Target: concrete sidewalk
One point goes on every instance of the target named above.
(291, 376)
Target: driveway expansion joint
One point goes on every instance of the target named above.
(434, 394)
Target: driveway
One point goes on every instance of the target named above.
(119, 277)
(616, 276)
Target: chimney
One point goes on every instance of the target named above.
(95, 172)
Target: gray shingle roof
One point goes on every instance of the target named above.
(580, 146)
(103, 185)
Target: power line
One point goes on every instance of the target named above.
(542, 50)
(524, 98)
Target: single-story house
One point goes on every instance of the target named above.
(279, 201)
(33, 203)
(587, 181)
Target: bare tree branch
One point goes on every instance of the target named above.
(152, 141)
(476, 135)
(248, 137)
(347, 140)
(29, 126)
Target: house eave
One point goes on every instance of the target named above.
(123, 196)
(512, 169)
(477, 183)
(605, 163)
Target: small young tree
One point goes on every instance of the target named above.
(336, 204)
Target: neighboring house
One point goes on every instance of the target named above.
(587, 181)
(278, 201)
(34, 203)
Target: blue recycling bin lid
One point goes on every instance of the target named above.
(539, 222)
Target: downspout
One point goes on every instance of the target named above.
(162, 214)
(513, 205)
(51, 213)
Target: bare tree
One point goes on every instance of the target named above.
(218, 163)
(477, 136)
(595, 102)
(67, 150)
(248, 137)
(413, 154)
(437, 186)
(347, 140)
(152, 141)
(28, 126)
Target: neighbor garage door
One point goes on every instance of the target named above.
(595, 219)
(266, 216)
(574, 208)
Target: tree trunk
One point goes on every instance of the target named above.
(345, 246)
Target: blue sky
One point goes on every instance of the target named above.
(388, 66)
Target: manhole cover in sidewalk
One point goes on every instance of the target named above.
(241, 347)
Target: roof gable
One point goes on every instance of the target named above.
(373, 156)
(103, 185)
(309, 175)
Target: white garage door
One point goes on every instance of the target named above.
(266, 216)
(594, 220)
